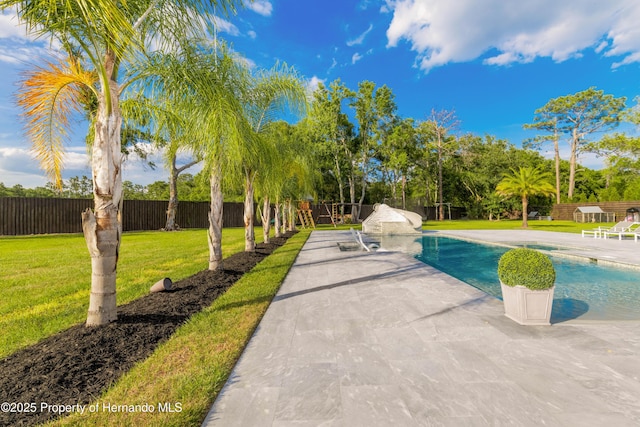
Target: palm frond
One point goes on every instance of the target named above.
(48, 96)
(275, 92)
(526, 181)
(94, 24)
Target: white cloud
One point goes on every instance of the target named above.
(589, 160)
(18, 47)
(629, 59)
(313, 83)
(356, 57)
(76, 158)
(261, 7)
(334, 64)
(138, 171)
(10, 26)
(7, 58)
(16, 53)
(364, 4)
(252, 34)
(18, 166)
(224, 26)
(17, 154)
(247, 62)
(442, 31)
(602, 46)
(360, 39)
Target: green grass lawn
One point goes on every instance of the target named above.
(193, 365)
(561, 226)
(45, 280)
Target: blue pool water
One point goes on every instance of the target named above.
(583, 290)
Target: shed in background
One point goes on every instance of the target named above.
(593, 214)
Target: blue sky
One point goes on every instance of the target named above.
(493, 61)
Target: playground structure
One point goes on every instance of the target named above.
(333, 212)
(305, 215)
(336, 213)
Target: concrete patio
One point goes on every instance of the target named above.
(380, 339)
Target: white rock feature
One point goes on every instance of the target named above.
(386, 220)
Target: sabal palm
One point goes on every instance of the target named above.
(108, 34)
(525, 182)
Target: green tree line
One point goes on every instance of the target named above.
(404, 161)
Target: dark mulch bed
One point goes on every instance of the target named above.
(75, 366)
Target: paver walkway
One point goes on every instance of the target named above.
(380, 339)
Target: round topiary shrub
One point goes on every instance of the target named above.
(526, 267)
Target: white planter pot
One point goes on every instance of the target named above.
(526, 306)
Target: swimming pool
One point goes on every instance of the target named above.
(583, 290)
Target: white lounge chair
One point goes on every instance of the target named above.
(632, 231)
(357, 235)
(599, 232)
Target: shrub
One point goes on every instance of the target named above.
(526, 267)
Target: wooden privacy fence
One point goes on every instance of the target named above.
(27, 215)
(152, 215)
(21, 216)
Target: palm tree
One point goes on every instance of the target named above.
(174, 172)
(273, 91)
(525, 182)
(161, 111)
(206, 85)
(109, 34)
(291, 173)
(223, 135)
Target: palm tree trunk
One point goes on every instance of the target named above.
(215, 218)
(290, 216)
(249, 232)
(103, 228)
(266, 219)
(173, 197)
(172, 209)
(525, 215)
(276, 215)
(284, 216)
